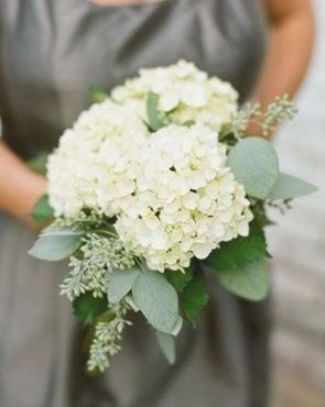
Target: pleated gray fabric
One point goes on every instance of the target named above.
(51, 53)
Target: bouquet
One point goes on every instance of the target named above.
(154, 179)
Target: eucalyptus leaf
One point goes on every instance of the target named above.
(289, 187)
(55, 245)
(156, 118)
(120, 283)
(167, 345)
(42, 211)
(251, 281)
(254, 163)
(157, 300)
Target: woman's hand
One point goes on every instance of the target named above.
(20, 187)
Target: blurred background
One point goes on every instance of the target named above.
(298, 248)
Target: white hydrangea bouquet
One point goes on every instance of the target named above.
(152, 181)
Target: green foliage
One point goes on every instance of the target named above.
(260, 215)
(241, 264)
(180, 279)
(99, 256)
(250, 281)
(156, 118)
(120, 283)
(39, 164)
(254, 163)
(167, 345)
(157, 299)
(240, 251)
(42, 211)
(88, 308)
(194, 298)
(56, 244)
(98, 95)
(289, 187)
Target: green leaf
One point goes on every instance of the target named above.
(42, 211)
(55, 245)
(179, 279)
(98, 95)
(39, 164)
(120, 283)
(156, 118)
(260, 216)
(194, 298)
(157, 300)
(240, 251)
(254, 163)
(289, 187)
(88, 308)
(251, 281)
(167, 345)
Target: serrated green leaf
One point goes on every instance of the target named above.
(120, 283)
(194, 298)
(156, 118)
(88, 308)
(289, 187)
(254, 163)
(179, 279)
(98, 94)
(42, 211)
(240, 251)
(56, 245)
(251, 281)
(167, 345)
(39, 164)
(157, 300)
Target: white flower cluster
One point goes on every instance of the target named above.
(92, 165)
(186, 95)
(171, 191)
(187, 200)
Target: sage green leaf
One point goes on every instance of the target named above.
(120, 283)
(254, 163)
(179, 279)
(156, 118)
(167, 345)
(42, 211)
(178, 326)
(157, 300)
(250, 282)
(98, 94)
(289, 187)
(39, 164)
(56, 245)
(194, 298)
(238, 252)
(88, 308)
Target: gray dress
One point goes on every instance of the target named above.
(51, 52)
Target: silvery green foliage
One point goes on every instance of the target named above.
(280, 110)
(98, 256)
(107, 338)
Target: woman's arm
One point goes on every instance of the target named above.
(291, 43)
(20, 188)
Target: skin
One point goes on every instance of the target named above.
(286, 64)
